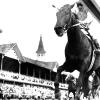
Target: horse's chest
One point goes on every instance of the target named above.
(72, 48)
(72, 54)
(76, 52)
(73, 64)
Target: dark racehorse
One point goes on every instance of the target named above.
(78, 51)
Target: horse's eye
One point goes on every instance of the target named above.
(65, 27)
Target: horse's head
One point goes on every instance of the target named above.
(64, 15)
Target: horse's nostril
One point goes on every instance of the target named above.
(56, 28)
(58, 31)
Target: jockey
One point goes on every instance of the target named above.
(82, 12)
(82, 16)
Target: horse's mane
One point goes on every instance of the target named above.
(74, 17)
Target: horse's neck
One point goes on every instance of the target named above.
(74, 34)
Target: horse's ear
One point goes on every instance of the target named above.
(72, 5)
(55, 7)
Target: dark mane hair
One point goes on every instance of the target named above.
(74, 16)
(79, 4)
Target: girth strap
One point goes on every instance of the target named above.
(92, 61)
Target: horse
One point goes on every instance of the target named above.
(78, 49)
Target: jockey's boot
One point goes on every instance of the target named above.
(97, 51)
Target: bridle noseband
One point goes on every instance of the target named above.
(67, 26)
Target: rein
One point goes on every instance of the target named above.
(69, 25)
(84, 26)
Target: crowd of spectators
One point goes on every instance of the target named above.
(30, 87)
(26, 91)
(27, 79)
(17, 86)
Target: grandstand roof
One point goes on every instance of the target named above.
(4, 48)
(47, 65)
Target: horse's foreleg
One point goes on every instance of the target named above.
(86, 87)
(78, 87)
(57, 80)
(68, 94)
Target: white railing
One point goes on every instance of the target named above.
(10, 76)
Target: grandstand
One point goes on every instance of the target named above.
(26, 78)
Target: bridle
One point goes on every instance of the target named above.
(68, 26)
(81, 25)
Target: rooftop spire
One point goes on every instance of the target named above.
(40, 51)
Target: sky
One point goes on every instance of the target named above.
(23, 21)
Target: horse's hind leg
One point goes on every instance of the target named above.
(57, 80)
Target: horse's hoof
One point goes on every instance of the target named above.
(77, 98)
(56, 84)
(57, 95)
